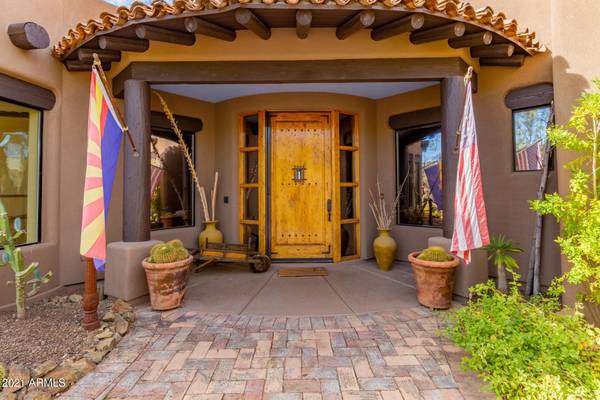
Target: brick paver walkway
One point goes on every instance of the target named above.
(189, 355)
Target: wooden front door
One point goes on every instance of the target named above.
(301, 185)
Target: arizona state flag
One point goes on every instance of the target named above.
(104, 143)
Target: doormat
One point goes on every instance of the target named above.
(298, 272)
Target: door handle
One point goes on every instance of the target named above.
(329, 210)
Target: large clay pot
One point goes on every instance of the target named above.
(167, 282)
(384, 247)
(210, 234)
(435, 281)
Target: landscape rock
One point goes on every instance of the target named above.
(75, 298)
(106, 344)
(121, 306)
(43, 369)
(105, 334)
(8, 396)
(122, 326)
(109, 316)
(37, 395)
(129, 316)
(95, 356)
(62, 378)
(17, 373)
(82, 365)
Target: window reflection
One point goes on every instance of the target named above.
(529, 136)
(19, 166)
(419, 165)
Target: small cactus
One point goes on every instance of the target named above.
(13, 256)
(168, 252)
(434, 253)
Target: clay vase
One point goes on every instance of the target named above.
(435, 281)
(384, 247)
(210, 234)
(167, 283)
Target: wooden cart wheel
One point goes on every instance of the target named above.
(262, 264)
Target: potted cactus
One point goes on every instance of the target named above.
(167, 271)
(434, 272)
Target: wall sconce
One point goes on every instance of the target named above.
(299, 174)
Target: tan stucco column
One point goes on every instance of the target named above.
(136, 184)
(452, 101)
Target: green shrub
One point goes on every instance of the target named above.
(527, 350)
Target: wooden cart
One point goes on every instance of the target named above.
(232, 253)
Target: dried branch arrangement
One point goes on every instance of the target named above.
(384, 217)
(190, 164)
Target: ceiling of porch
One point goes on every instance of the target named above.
(491, 37)
(215, 93)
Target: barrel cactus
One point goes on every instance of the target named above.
(169, 252)
(13, 256)
(434, 253)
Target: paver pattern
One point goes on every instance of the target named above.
(190, 355)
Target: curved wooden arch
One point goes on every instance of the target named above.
(491, 36)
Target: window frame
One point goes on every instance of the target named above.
(40, 149)
(165, 133)
(411, 138)
(514, 141)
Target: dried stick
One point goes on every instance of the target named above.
(186, 153)
(214, 196)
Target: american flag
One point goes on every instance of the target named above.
(470, 220)
(530, 158)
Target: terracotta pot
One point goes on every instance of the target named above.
(210, 234)
(435, 281)
(384, 247)
(167, 282)
(167, 221)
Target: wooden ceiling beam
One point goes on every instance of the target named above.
(303, 22)
(248, 20)
(514, 61)
(87, 55)
(148, 32)
(402, 25)
(360, 20)
(28, 36)
(76, 65)
(472, 39)
(203, 27)
(123, 44)
(449, 31)
(494, 51)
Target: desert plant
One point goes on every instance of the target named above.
(499, 249)
(13, 256)
(579, 211)
(169, 252)
(378, 206)
(434, 253)
(527, 349)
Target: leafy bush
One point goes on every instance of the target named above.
(579, 211)
(526, 350)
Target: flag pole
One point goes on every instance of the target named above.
(90, 298)
(98, 65)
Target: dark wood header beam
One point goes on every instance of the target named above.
(28, 36)
(399, 26)
(415, 118)
(248, 20)
(164, 35)
(303, 22)
(473, 39)
(158, 120)
(26, 93)
(198, 25)
(123, 44)
(292, 71)
(454, 30)
(530, 96)
(359, 21)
